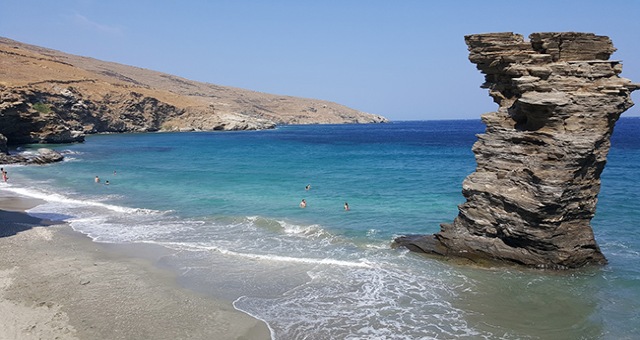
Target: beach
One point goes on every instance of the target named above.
(199, 235)
(56, 283)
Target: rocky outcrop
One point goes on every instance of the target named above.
(43, 156)
(47, 96)
(534, 192)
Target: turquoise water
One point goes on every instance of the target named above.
(227, 203)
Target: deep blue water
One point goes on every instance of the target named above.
(227, 204)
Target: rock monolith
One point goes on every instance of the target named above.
(534, 192)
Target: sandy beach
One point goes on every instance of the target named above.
(56, 283)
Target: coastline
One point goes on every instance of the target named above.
(58, 283)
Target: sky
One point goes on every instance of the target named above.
(403, 59)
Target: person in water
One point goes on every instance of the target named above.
(97, 179)
(307, 187)
(346, 206)
(303, 204)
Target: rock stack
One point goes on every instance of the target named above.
(534, 192)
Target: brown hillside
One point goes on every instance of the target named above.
(51, 96)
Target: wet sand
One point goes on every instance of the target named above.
(58, 284)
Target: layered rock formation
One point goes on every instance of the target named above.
(47, 96)
(534, 192)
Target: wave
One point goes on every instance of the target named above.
(58, 198)
(313, 231)
(374, 302)
(265, 257)
(263, 237)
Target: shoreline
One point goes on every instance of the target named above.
(58, 283)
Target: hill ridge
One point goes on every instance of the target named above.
(49, 96)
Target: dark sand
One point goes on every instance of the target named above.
(58, 284)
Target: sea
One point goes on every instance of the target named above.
(226, 207)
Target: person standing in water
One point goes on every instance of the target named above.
(97, 179)
(346, 206)
(303, 204)
(4, 175)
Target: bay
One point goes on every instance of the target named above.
(226, 204)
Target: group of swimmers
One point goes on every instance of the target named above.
(303, 203)
(97, 179)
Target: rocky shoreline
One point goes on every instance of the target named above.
(534, 192)
(48, 96)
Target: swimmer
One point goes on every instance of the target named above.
(346, 206)
(303, 204)
(307, 187)
(97, 179)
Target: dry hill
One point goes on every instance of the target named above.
(50, 96)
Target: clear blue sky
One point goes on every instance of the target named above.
(404, 59)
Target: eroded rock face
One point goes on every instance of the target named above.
(534, 191)
(3, 145)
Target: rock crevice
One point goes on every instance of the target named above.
(534, 192)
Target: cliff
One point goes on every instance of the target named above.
(534, 192)
(47, 96)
